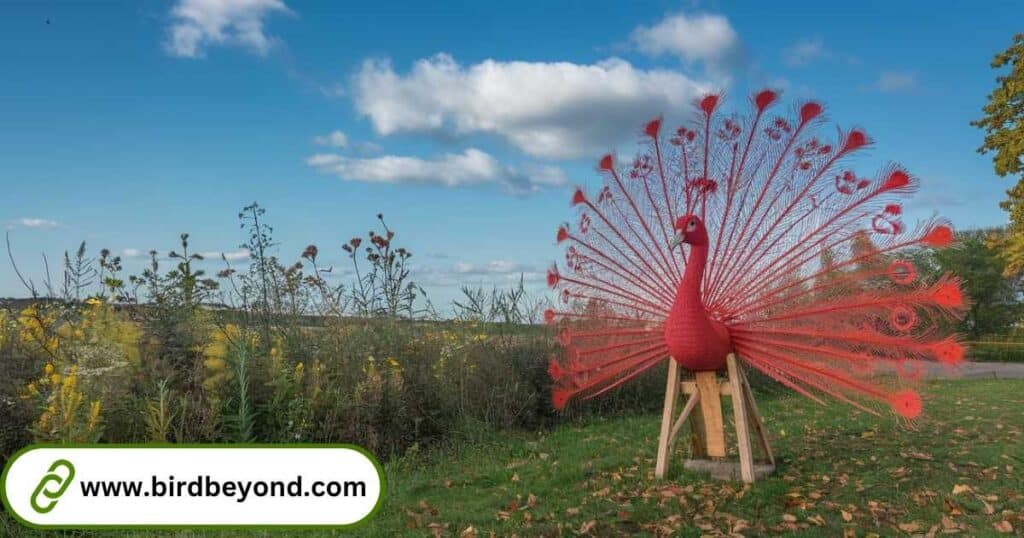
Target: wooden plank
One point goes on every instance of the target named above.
(671, 397)
(690, 387)
(758, 422)
(697, 449)
(711, 409)
(687, 409)
(739, 410)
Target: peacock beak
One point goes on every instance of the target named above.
(679, 238)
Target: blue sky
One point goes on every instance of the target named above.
(124, 124)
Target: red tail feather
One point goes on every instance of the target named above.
(787, 260)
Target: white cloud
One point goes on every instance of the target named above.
(895, 81)
(803, 53)
(471, 167)
(38, 224)
(232, 256)
(546, 109)
(692, 38)
(200, 23)
(496, 267)
(334, 139)
(133, 253)
(497, 272)
(808, 51)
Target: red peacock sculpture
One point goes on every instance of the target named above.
(750, 238)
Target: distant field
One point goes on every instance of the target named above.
(958, 469)
(998, 348)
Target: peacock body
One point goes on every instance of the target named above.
(751, 235)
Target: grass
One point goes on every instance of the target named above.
(841, 472)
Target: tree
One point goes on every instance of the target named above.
(1004, 136)
(995, 305)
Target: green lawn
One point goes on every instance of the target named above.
(960, 468)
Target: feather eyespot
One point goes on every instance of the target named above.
(902, 318)
(708, 104)
(898, 179)
(902, 272)
(855, 140)
(949, 351)
(555, 369)
(559, 397)
(553, 277)
(938, 237)
(562, 235)
(764, 98)
(652, 128)
(809, 111)
(906, 403)
(578, 197)
(584, 223)
(886, 225)
(948, 294)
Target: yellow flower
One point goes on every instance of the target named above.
(55, 379)
(92, 301)
(48, 369)
(94, 415)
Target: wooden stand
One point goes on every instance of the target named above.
(708, 440)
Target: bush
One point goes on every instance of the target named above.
(274, 353)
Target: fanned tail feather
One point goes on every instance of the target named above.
(809, 265)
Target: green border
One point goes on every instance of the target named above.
(357, 448)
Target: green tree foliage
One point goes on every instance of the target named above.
(1004, 136)
(995, 297)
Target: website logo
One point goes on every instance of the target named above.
(173, 486)
(52, 486)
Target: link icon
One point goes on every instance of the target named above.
(60, 482)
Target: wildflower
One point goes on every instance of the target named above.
(48, 369)
(94, 415)
(310, 252)
(55, 379)
(93, 301)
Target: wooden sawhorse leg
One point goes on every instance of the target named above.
(708, 425)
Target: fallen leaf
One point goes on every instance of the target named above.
(1003, 526)
(909, 527)
(588, 526)
(789, 518)
(961, 488)
(468, 532)
(846, 516)
(531, 501)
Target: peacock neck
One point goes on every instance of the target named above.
(688, 292)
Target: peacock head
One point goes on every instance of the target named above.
(689, 229)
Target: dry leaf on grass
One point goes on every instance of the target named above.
(1003, 526)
